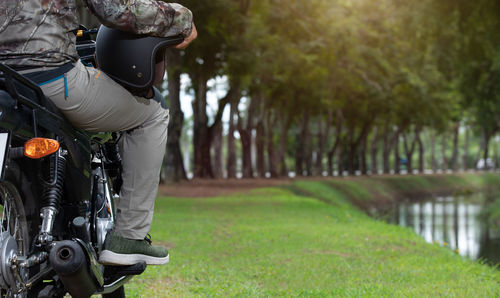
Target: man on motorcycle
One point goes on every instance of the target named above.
(37, 38)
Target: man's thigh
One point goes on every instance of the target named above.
(94, 102)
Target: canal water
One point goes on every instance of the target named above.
(457, 222)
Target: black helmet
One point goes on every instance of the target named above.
(130, 58)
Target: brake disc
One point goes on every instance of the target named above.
(8, 249)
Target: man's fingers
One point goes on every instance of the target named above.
(188, 39)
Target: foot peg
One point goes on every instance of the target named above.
(112, 272)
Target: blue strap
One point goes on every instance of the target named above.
(53, 80)
(66, 92)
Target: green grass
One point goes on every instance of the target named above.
(273, 242)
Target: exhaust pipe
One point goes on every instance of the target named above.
(69, 261)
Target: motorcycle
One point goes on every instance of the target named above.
(58, 189)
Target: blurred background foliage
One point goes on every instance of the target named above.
(335, 87)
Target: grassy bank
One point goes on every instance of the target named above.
(305, 241)
(363, 191)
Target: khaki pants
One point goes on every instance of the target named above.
(97, 103)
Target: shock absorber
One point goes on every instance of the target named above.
(52, 195)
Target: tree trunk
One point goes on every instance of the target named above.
(271, 152)
(301, 146)
(216, 143)
(340, 159)
(283, 141)
(231, 150)
(373, 152)
(213, 130)
(408, 153)
(174, 166)
(386, 152)
(318, 162)
(397, 158)
(465, 156)
(246, 147)
(480, 152)
(308, 158)
(364, 169)
(308, 148)
(201, 135)
(421, 155)
(330, 163)
(322, 138)
(444, 166)
(246, 141)
(390, 137)
(454, 157)
(283, 169)
(333, 150)
(433, 152)
(409, 149)
(259, 144)
(351, 153)
(322, 142)
(353, 145)
(246, 144)
(486, 137)
(299, 156)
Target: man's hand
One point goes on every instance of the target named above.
(188, 39)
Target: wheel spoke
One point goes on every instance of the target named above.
(3, 211)
(16, 227)
(8, 214)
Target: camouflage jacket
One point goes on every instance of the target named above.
(36, 33)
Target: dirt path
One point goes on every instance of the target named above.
(198, 188)
(212, 188)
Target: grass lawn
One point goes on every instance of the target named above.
(272, 242)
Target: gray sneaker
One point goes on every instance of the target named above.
(122, 251)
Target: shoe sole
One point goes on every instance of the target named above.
(108, 257)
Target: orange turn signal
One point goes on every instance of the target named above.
(40, 147)
(79, 33)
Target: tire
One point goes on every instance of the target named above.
(119, 293)
(26, 186)
(18, 218)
